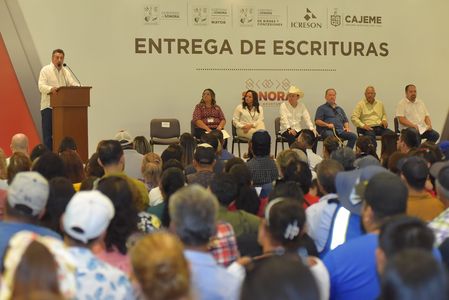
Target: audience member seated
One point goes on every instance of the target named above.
(133, 158)
(207, 114)
(165, 273)
(262, 167)
(141, 145)
(245, 225)
(388, 145)
(19, 143)
(330, 144)
(420, 203)
(280, 277)
(248, 116)
(36, 265)
(49, 165)
(322, 212)
(440, 225)
(112, 159)
(113, 250)
(173, 151)
(60, 193)
(67, 143)
(352, 266)
(193, 212)
(393, 162)
(37, 151)
(85, 222)
(223, 154)
(203, 161)
(73, 167)
(188, 145)
(280, 235)
(364, 146)
(172, 179)
(152, 177)
(93, 168)
(26, 200)
(223, 245)
(345, 156)
(414, 274)
(307, 141)
(408, 139)
(247, 198)
(212, 139)
(232, 162)
(18, 162)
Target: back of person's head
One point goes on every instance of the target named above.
(326, 172)
(61, 191)
(193, 212)
(261, 143)
(27, 196)
(151, 157)
(165, 273)
(365, 146)
(280, 277)
(298, 171)
(402, 232)
(388, 144)
(109, 152)
(345, 156)
(434, 148)
(410, 137)
(18, 162)
(93, 168)
(394, 160)
(415, 172)
(172, 163)
(429, 155)
(287, 189)
(218, 134)
(247, 198)
(204, 155)
(330, 144)
(307, 137)
(284, 222)
(152, 174)
(37, 151)
(86, 217)
(19, 143)
(172, 152)
(224, 187)
(232, 162)
(73, 166)
(285, 158)
(124, 222)
(67, 143)
(386, 195)
(141, 145)
(37, 265)
(414, 274)
(172, 179)
(212, 140)
(188, 145)
(49, 165)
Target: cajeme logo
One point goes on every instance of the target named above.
(336, 20)
(309, 20)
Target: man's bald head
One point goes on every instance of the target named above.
(19, 143)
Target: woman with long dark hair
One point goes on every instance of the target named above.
(207, 114)
(248, 116)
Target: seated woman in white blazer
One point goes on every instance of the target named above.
(248, 116)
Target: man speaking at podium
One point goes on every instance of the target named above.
(52, 77)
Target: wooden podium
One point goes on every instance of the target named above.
(70, 116)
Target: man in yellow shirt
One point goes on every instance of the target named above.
(369, 116)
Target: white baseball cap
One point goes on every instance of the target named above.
(29, 189)
(87, 215)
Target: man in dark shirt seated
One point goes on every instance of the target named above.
(331, 120)
(262, 167)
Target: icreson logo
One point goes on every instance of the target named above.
(309, 21)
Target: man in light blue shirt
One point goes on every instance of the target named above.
(193, 212)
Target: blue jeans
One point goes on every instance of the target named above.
(377, 131)
(431, 135)
(346, 136)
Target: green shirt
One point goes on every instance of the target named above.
(371, 114)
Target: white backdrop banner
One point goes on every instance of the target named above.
(153, 59)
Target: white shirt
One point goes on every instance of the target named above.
(291, 117)
(242, 116)
(50, 77)
(415, 112)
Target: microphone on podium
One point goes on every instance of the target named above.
(66, 65)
